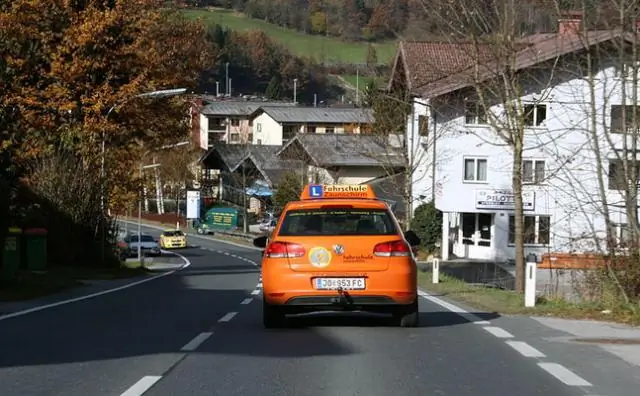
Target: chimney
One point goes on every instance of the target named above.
(569, 23)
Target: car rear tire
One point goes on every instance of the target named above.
(272, 316)
(408, 316)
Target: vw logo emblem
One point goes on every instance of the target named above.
(339, 249)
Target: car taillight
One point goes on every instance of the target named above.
(284, 250)
(392, 249)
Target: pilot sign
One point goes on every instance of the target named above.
(503, 199)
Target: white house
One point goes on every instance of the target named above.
(473, 168)
(276, 125)
(228, 120)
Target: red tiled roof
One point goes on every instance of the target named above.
(434, 69)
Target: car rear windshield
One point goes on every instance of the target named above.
(331, 222)
(173, 233)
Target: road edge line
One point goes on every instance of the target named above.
(187, 263)
(206, 238)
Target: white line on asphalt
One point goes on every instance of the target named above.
(255, 292)
(525, 349)
(259, 286)
(100, 293)
(498, 332)
(207, 238)
(246, 301)
(227, 317)
(563, 374)
(226, 253)
(451, 307)
(195, 343)
(142, 386)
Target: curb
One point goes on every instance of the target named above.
(192, 235)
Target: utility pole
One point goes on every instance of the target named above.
(227, 78)
(295, 91)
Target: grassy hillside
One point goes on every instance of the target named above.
(364, 80)
(318, 47)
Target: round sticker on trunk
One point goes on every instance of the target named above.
(319, 257)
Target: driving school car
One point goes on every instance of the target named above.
(338, 248)
(172, 239)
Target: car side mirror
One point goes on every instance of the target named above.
(412, 238)
(260, 242)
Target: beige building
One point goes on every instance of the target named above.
(229, 121)
(276, 125)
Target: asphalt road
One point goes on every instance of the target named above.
(199, 332)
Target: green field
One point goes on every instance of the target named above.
(364, 80)
(321, 48)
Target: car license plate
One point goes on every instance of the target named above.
(337, 283)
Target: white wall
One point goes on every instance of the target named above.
(266, 130)
(569, 195)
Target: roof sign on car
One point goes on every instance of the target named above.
(337, 191)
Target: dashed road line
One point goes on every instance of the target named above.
(227, 317)
(142, 386)
(255, 292)
(196, 342)
(498, 332)
(525, 349)
(246, 301)
(564, 375)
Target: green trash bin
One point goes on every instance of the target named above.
(11, 253)
(36, 240)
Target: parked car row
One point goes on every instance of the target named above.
(127, 243)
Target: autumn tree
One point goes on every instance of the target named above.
(71, 63)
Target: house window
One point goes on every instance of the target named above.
(423, 125)
(537, 230)
(475, 169)
(475, 114)
(259, 142)
(235, 137)
(533, 171)
(616, 177)
(235, 122)
(259, 127)
(618, 124)
(311, 129)
(534, 115)
(329, 130)
(250, 137)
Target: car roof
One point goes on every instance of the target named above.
(356, 203)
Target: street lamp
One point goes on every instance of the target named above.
(142, 168)
(295, 91)
(153, 94)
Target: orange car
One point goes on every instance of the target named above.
(338, 248)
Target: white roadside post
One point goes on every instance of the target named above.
(436, 270)
(530, 281)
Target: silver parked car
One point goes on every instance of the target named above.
(148, 245)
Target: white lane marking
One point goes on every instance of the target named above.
(255, 292)
(498, 332)
(525, 349)
(195, 343)
(451, 307)
(227, 317)
(246, 301)
(563, 374)
(100, 293)
(206, 238)
(226, 253)
(259, 286)
(142, 386)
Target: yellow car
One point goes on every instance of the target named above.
(171, 239)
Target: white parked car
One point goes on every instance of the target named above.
(148, 245)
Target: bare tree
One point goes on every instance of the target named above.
(493, 85)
